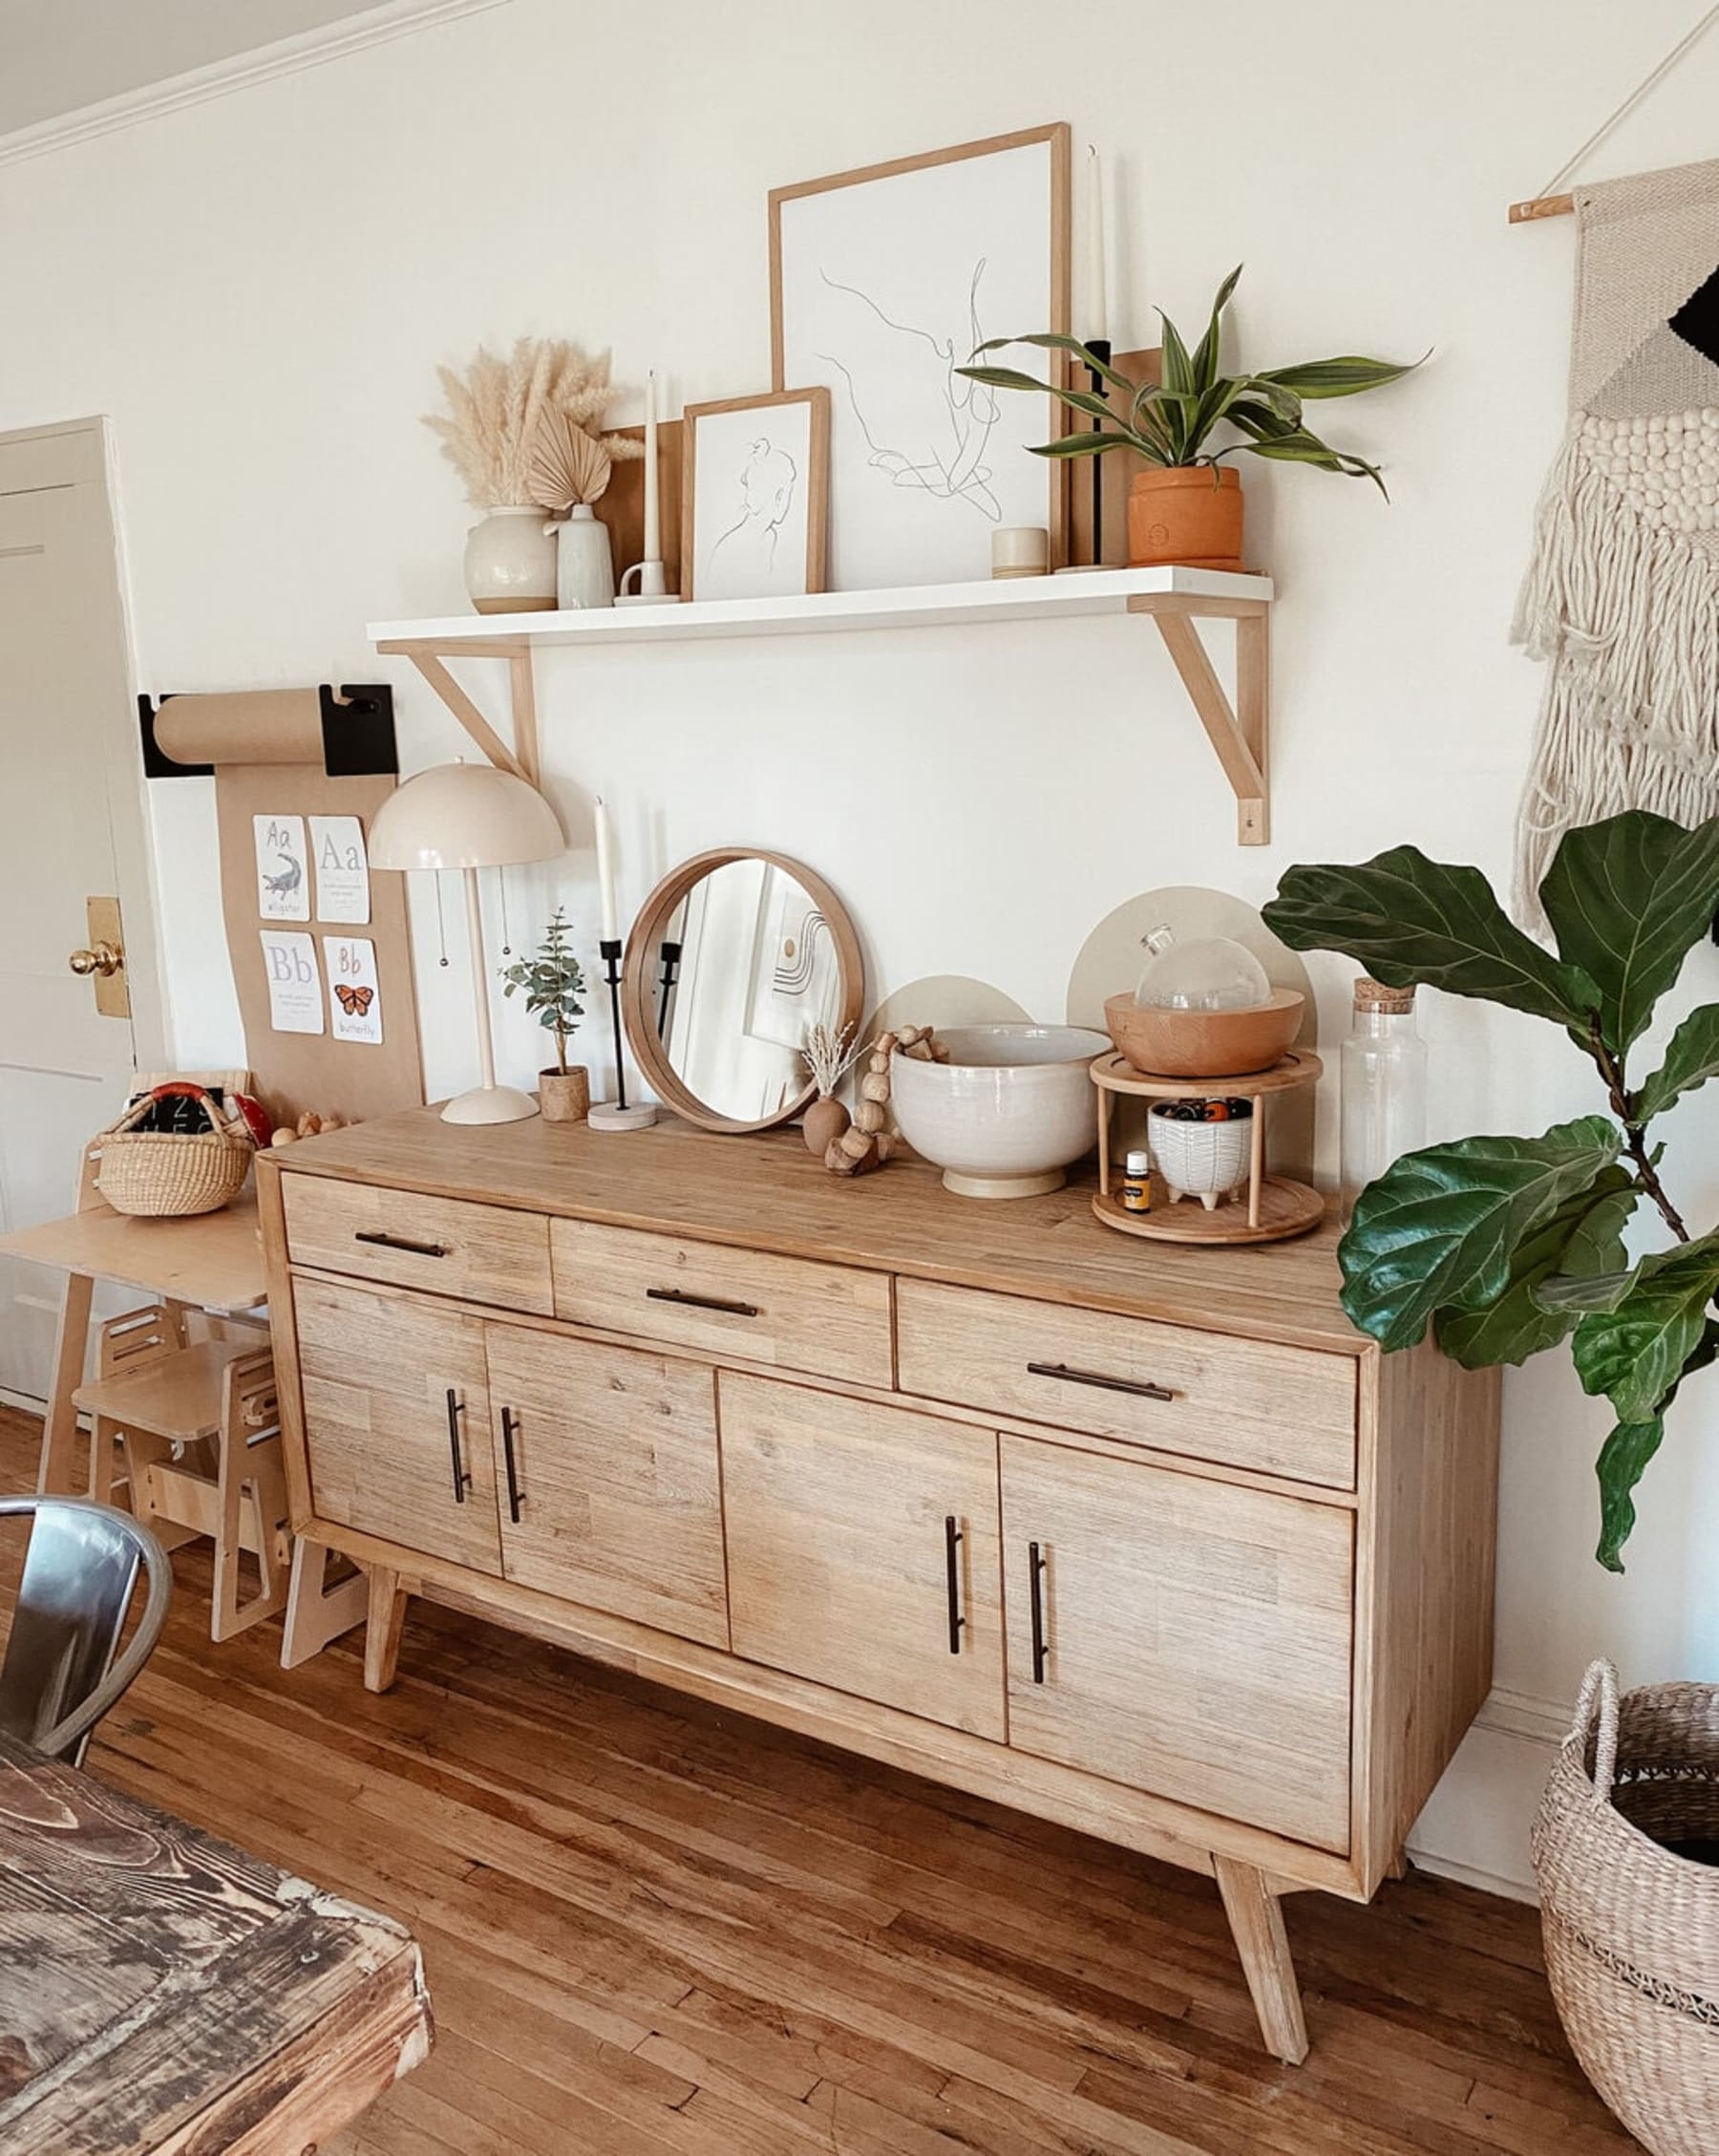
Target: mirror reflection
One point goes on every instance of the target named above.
(746, 964)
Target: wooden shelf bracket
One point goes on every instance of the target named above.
(1238, 732)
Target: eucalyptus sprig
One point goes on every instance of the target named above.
(1506, 1246)
(1170, 422)
(553, 982)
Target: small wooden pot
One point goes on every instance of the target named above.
(564, 1096)
(825, 1122)
(1189, 514)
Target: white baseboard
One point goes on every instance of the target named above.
(1476, 1826)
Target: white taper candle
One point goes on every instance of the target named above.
(653, 538)
(605, 874)
(1097, 303)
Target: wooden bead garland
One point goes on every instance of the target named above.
(867, 1145)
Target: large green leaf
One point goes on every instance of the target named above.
(1691, 1059)
(1583, 1237)
(1628, 898)
(1300, 447)
(1622, 1461)
(1411, 921)
(1625, 1454)
(1439, 1229)
(1346, 376)
(1635, 1352)
(1175, 364)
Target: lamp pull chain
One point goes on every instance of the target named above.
(441, 921)
(507, 932)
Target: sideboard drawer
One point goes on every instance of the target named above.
(1246, 1404)
(830, 1320)
(479, 1253)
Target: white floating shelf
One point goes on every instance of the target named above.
(1173, 598)
(1038, 598)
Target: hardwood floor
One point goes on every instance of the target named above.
(650, 1926)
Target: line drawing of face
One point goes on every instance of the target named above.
(766, 483)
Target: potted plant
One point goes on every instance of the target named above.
(1186, 506)
(553, 982)
(1506, 1246)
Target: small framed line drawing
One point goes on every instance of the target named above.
(755, 489)
(882, 283)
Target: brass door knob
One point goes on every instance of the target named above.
(103, 958)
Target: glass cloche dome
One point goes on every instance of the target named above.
(1210, 973)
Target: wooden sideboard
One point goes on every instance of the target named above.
(1143, 1539)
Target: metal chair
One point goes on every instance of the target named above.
(59, 1675)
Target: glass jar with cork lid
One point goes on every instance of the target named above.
(1384, 1107)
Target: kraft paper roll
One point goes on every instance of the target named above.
(258, 726)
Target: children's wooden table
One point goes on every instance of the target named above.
(211, 1262)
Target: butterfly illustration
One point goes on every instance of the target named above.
(354, 1001)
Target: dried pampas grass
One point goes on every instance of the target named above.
(496, 411)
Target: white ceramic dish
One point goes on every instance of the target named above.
(1008, 1111)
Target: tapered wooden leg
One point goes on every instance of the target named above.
(1256, 1918)
(388, 1599)
(317, 1612)
(59, 1429)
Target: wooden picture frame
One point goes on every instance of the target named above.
(783, 475)
(925, 465)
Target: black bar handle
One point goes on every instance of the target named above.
(701, 1302)
(462, 1481)
(1035, 1582)
(952, 1539)
(1140, 1387)
(399, 1243)
(510, 1423)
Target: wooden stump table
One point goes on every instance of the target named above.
(160, 1990)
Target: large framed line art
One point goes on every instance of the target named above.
(882, 283)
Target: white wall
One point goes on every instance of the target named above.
(257, 290)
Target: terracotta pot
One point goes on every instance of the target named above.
(822, 1125)
(1179, 515)
(564, 1096)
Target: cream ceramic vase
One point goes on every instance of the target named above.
(584, 573)
(510, 561)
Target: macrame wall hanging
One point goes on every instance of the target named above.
(1622, 595)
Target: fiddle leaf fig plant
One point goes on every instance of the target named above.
(1508, 1246)
(1170, 422)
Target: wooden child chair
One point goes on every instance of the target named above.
(200, 1427)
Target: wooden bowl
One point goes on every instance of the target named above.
(1202, 1044)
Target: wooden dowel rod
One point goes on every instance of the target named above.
(1542, 205)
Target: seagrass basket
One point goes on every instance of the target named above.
(1631, 1928)
(163, 1175)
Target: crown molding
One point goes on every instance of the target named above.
(243, 71)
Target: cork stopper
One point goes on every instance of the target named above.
(1374, 995)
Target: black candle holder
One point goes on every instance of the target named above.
(1100, 349)
(669, 954)
(618, 1114)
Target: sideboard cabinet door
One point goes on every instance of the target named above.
(862, 1549)
(1184, 1636)
(610, 1491)
(396, 1421)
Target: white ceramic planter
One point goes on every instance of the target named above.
(1203, 1160)
(510, 563)
(1008, 1111)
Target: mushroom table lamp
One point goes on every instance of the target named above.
(470, 815)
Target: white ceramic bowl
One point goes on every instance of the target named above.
(1008, 1111)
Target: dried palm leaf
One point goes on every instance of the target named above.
(568, 467)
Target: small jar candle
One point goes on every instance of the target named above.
(1136, 1183)
(1020, 550)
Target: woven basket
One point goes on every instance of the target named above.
(166, 1175)
(1631, 1929)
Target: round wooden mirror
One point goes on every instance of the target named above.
(733, 957)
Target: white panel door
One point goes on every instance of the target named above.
(70, 828)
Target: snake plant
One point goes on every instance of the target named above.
(1170, 422)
